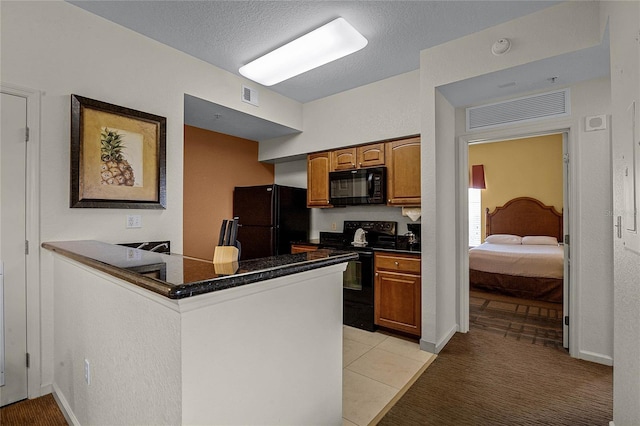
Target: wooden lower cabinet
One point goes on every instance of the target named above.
(302, 248)
(398, 292)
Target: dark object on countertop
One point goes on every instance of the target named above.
(223, 230)
(411, 240)
(228, 235)
(155, 246)
(270, 218)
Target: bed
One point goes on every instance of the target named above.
(522, 255)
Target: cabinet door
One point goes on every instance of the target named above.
(343, 159)
(318, 179)
(403, 172)
(371, 155)
(397, 301)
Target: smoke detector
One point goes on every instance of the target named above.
(501, 46)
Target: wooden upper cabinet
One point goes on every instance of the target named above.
(357, 157)
(403, 172)
(371, 155)
(344, 159)
(318, 166)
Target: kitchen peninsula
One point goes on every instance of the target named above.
(149, 338)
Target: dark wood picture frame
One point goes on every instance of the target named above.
(118, 156)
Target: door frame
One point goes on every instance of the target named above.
(571, 189)
(33, 98)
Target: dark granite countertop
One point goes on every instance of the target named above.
(177, 277)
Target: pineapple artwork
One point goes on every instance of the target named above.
(117, 148)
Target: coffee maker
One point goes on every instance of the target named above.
(410, 240)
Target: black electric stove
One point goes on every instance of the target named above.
(358, 279)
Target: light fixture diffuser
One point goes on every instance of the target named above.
(321, 46)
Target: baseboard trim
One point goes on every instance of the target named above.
(64, 406)
(435, 348)
(595, 357)
(443, 342)
(46, 389)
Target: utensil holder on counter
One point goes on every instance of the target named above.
(225, 254)
(228, 268)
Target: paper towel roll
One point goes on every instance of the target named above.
(413, 213)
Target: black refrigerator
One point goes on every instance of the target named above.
(270, 217)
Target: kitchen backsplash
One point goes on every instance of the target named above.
(323, 219)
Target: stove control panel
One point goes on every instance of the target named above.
(378, 227)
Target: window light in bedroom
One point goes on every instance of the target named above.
(475, 217)
(476, 186)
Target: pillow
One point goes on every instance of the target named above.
(540, 240)
(503, 239)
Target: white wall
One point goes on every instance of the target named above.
(265, 356)
(624, 21)
(560, 29)
(382, 110)
(125, 337)
(446, 323)
(61, 50)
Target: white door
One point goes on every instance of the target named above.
(13, 111)
(625, 142)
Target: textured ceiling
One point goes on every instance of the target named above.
(230, 34)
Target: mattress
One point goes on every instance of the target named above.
(544, 261)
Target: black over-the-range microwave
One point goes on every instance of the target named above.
(360, 186)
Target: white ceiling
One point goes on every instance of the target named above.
(229, 34)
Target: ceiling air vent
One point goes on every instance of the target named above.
(529, 108)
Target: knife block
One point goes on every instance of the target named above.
(225, 254)
(228, 268)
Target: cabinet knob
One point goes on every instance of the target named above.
(397, 263)
(360, 164)
(376, 274)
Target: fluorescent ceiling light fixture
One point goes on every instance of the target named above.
(321, 46)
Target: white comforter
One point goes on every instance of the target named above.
(545, 261)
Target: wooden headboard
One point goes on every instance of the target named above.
(525, 216)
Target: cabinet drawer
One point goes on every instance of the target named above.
(302, 248)
(398, 263)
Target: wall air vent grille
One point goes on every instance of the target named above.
(529, 108)
(249, 95)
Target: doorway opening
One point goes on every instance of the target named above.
(517, 276)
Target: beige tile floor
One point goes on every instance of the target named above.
(377, 370)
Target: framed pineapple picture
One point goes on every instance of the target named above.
(118, 157)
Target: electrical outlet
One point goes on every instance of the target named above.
(87, 372)
(334, 226)
(134, 221)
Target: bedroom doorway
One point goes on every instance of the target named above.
(524, 180)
